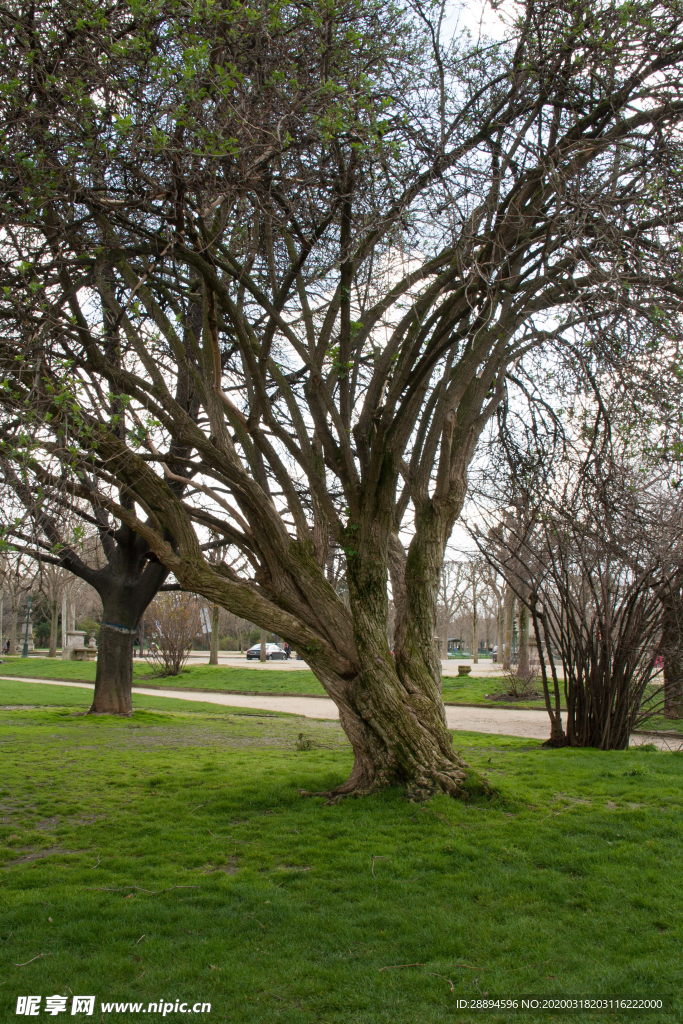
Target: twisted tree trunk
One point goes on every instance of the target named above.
(392, 710)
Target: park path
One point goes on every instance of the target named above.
(501, 721)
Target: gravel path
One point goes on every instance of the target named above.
(503, 721)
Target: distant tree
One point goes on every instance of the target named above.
(452, 596)
(53, 581)
(18, 580)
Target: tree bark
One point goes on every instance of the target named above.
(475, 649)
(213, 656)
(114, 677)
(500, 631)
(54, 621)
(672, 653)
(392, 710)
(15, 625)
(262, 654)
(398, 737)
(509, 619)
(523, 667)
(126, 586)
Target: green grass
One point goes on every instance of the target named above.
(35, 695)
(208, 677)
(458, 690)
(469, 690)
(568, 882)
(224, 677)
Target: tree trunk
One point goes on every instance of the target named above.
(126, 586)
(114, 678)
(54, 621)
(262, 655)
(398, 737)
(392, 710)
(523, 666)
(15, 626)
(213, 656)
(475, 648)
(672, 653)
(500, 631)
(509, 620)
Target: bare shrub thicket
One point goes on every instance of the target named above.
(173, 625)
(591, 562)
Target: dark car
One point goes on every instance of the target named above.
(273, 653)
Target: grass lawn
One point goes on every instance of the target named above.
(248, 680)
(170, 856)
(209, 677)
(222, 677)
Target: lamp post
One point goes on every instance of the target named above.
(29, 602)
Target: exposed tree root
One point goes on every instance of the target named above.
(556, 742)
(455, 782)
(116, 714)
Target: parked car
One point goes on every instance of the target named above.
(273, 653)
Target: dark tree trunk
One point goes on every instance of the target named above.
(126, 586)
(114, 678)
(553, 705)
(523, 665)
(15, 626)
(672, 652)
(54, 622)
(215, 615)
(509, 622)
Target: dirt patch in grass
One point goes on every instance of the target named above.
(39, 855)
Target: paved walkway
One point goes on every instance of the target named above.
(502, 721)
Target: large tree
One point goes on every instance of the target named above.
(268, 265)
